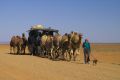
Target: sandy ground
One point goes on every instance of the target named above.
(26, 67)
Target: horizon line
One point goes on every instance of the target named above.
(7, 42)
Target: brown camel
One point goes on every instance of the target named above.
(16, 43)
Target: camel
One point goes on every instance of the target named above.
(43, 45)
(75, 41)
(24, 44)
(56, 43)
(65, 46)
(49, 46)
(13, 44)
(17, 44)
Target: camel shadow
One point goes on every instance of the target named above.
(18, 54)
(76, 62)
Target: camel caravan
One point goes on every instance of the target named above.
(47, 42)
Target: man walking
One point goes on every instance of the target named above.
(87, 50)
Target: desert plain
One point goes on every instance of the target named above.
(27, 67)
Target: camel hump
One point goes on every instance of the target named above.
(43, 39)
(75, 37)
(64, 38)
(57, 37)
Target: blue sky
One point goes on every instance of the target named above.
(97, 20)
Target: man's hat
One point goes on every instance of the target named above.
(86, 39)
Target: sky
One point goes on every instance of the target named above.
(97, 20)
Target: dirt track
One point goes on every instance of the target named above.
(26, 67)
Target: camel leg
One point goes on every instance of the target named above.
(63, 54)
(74, 54)
(24, 49)
(70, 55)
(57, 53)
(10, 49)
(18, 49)
(51, 53)
(14, 50)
